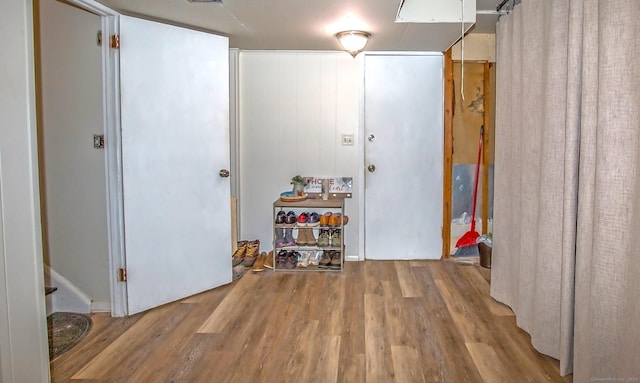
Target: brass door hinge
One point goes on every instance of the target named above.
(115, 41)
(122, 274)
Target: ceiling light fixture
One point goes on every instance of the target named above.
(353, 41)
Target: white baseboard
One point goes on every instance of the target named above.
(68, 297)
(100, 307)
(351, 258)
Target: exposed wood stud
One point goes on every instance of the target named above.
(485, 148)
(448, 154)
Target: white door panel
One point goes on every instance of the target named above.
(404, 142)
(175, 139)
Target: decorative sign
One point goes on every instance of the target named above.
(336, 185)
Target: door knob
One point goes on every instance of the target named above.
(224, 173)
(371, 138)
(371, 168)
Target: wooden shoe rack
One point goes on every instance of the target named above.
(320, 206)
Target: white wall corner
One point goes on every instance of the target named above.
(68, 297)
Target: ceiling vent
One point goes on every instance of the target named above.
(205, 1)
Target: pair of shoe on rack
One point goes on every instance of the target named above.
(284, 237)
(308, 219)
(288, 218)
(287, 259)
(333, 219)
(246, 253)
(331, 259)
(329, 237)
(306, 237)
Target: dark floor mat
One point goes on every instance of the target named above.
(65, 331)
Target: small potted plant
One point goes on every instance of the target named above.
(298, 183)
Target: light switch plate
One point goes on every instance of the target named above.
(347, 139)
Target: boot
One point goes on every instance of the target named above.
(279, 241)
(311, 238)
(288, 237)
(253, 250)
(238, 255)
(268, 262)
(302, 237)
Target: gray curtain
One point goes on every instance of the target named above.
(567, 181)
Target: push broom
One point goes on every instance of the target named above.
(467, 246)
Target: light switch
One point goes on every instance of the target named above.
(347, 140)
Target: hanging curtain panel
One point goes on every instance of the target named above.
(535, 182)
(607, 309)
(567, 185)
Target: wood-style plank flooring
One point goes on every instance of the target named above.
(377, 321)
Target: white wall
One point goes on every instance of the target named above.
(23, 336)
(294, 107)
(74, 172)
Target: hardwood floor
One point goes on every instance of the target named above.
(377, 321)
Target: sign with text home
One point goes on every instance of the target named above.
(342, 186)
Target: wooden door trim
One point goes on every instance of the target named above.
(485, 148)
(448, 154)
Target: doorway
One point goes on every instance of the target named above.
(72, 172)
(167, 153)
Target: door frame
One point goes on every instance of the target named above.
(113, 152)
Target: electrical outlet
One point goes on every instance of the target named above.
(347, 139)
(98, 141)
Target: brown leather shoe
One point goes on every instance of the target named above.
(301, 240)
(311, 238)
(336, 260)
(268, 262)
(259, 263)
(325, 260)
(253, 250)
(238, 255)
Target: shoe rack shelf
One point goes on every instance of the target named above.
(310, 205)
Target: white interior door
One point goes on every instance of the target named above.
(175, 140)
(403, 133)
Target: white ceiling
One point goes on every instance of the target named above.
(305, 24)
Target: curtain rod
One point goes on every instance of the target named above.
(502, 4)
(506, 2)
